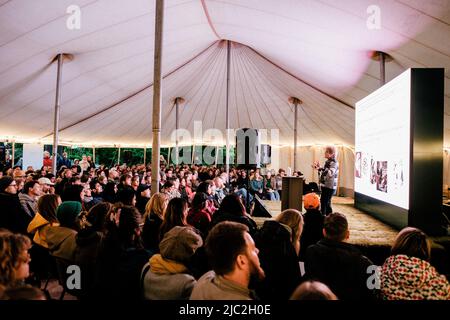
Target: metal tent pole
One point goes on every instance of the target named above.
(57, 113)
(157, 97)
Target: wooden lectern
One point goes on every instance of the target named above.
(292, 195)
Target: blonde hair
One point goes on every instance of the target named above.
(157, 204)
(294, 220)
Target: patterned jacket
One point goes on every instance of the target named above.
(410, 278)
(329, 174)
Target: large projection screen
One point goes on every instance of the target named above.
(398, 151)
(382, 143)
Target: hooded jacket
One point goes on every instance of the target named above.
(167, 280)
(278, 260)
(61, 242)
(38, 226)
(410, 278)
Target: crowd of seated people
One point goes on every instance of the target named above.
(193, 239)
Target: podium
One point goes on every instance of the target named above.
(292, 195)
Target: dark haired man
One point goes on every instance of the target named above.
(28, 199)
(233, 257)
(337, 263)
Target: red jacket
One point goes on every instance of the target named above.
(199, 220)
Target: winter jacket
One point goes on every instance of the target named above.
(341, 267)
(213, 287)
(61, 242)
(410, 278)
(29, 204)
(38, 226)
(167, 280)
(278, 260)
(329, 174)
(12, 215)
(150, 232)
(312, 230)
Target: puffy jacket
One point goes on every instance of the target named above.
(410, 278)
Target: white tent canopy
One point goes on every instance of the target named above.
(318, 51)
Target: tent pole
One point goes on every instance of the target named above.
(382, 68)
(13, 153)
(295, 135)
(93, 154)
(118, 156)
(177, 126)
(157, 99)
(56, 114)
(145, 156)
(227, 118)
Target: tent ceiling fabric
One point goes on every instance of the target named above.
(318, 51)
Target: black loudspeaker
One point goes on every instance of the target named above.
(247, 148)
(127, 156)
(266, 154)
(2, 154)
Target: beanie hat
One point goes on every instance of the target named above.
(67, 213)
(5, 182)
(179, 244)
(311, 201)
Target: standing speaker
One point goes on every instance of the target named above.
(127, 156)
(247, 148)
(266, 154)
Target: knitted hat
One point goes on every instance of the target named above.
(311, 201)
(67, 212)
(179, 244)
(5, 182)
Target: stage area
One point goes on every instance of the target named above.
(373, 237)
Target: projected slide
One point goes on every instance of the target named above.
(382, 143)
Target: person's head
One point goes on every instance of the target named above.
(64, 155)
(73, 192)
(313, 290)
(168, 186)
(156, 205)
(330, 152)
(179, 244)
(14, 257)
(129, 227)
(218, 182)
(127, 196)
(294, 220)
(32, 188)
(68, 174)
(47, 206)
(412, 242)
(336, 227)
(84, 158)
(135, 182)
(206, 187)
(46, 154)
(311, 201)
(96, 187)
(169, 174)
(67, 214)
(8, 185)
(46, 185)
(281, 172)
(231, 251)
(88, 158)
(97, 216)
(125, 179)
(20, 182)
(199, 201)
(232, 204)
(144, 191)
(175, 215)
(268, 174)
(75, 180)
